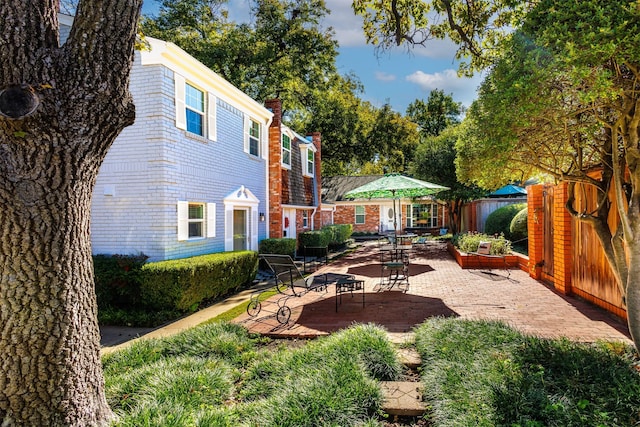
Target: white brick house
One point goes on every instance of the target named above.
(191, 175)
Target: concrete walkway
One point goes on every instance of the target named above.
(114, 337)
(438, 287)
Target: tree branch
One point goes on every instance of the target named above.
(28, 30)
(466, 40)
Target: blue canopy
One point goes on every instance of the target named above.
(509, 190)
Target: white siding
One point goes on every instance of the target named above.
(153, 164)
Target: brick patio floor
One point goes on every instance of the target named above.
(438, 287)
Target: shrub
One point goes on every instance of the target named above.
(469, 242)
(339, 233)
(184, 284)
(518, 227)
(316, 238)
(283, 246)
(499, 221)
(117, 280)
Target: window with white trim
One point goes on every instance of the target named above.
(196, 220)
(305, 219)
(422, 215)
(194, 104)
(195, 109)
(310, 162)
(286, 150)
(254, 138)
(360, 217)
(308, 156)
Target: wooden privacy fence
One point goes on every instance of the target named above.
(474, 214)
(566, 252)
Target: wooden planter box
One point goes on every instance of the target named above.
(465, 260)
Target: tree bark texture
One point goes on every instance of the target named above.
(50, 369)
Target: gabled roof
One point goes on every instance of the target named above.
(335, 187)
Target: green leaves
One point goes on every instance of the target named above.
(284, 53)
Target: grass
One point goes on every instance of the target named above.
(485, 373)
(476, 373)
(219, 375)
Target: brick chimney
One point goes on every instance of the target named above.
(316, 139)
(275, 170)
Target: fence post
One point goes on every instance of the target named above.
(535, 221)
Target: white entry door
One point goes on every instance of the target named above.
(240, 230)
(386, 212)
(289, 223)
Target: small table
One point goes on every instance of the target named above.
(344, 285)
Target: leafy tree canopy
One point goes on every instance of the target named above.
(433, 116)
(284, 53)
(564, 99)
(476, 26)
(435, 162)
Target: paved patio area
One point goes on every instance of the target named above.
(438, 287)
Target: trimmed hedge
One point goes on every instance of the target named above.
(317, 238)
(184, 284)
(117, 280)
(499, 221)
(518, 227)
(285, 246)
(339, 233)
(328, 236)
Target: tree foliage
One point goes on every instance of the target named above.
(284, 53)
(476, 26)
(433, 116)
(392, 140)
(435, 162)
(564, 99)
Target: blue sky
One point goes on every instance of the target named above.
(398, 77)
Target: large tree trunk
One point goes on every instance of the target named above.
(50, 370)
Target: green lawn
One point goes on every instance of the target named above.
(475, 374)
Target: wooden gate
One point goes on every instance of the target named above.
(547, 268)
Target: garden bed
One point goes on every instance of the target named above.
(512, 260)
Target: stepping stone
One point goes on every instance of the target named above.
(409, 358)
(403, 398)
(401, 338)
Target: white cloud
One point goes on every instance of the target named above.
(345, 23)
(385, 77)
(463, 88)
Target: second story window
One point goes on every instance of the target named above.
(194, 104)
(196, 109)
(254, 138)
(286, 150)
(310, 162)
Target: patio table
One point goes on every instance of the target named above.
(350, 285)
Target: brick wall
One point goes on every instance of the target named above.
(346, 214)
(535, 227)
(317, 142)
(561, 240)
(275, 170)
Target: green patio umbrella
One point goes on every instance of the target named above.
(394, 186)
